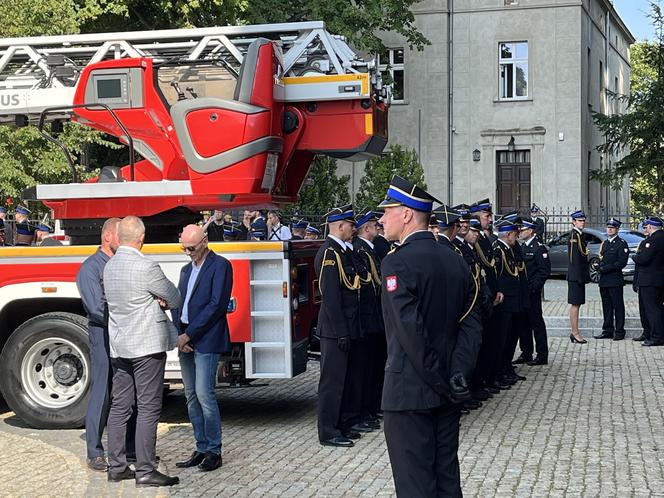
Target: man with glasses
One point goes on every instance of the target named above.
(206, 285)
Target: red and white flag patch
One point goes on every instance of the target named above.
(391, 283)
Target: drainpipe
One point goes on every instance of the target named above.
(450, 100)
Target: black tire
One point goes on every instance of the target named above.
(594, 270)
(68, 330)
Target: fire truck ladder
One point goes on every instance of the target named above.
(42, 72)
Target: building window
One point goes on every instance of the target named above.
(602, 93)
(513, 60)
(391, 65)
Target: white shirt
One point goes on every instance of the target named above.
(368, 242)
(527, 242)
(611, 239)
(279, 232)
(338, 241)
(195, 270)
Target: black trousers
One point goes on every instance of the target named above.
(100, 390)
(643, 315)
(653, 304)
(613, 309)
(375, 358)
(423, 447)
(535, 327)
(333, 366)
(356, 371)
(139, 380)
(508, 329)
(483, 367)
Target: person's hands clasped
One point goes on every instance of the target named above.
(162, 303)
(344, 344)
(500, 297)
(184, 343)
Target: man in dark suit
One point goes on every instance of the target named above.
(433, 334)
(578, 273)
(538, 268)
(650, 261)
(338, 325)
(613, 257)
(205, 285)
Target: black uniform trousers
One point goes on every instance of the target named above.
(536, 327)
(483, 366)
(509, 325)
(375, 358)
(422, 446)
(100, 390)
(644, 316)
(351, 401)
(653, 305)
(613, 309)
(138, 381)
(333, 367)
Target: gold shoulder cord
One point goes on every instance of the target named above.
(512, 271)
(582, 251)
(472, 304)
(490, 263)
(373, 270)
(343, 278)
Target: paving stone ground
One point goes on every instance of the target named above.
(588, 424)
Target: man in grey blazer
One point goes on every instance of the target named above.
(140, 333)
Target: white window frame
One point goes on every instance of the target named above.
(390, 66)
(514, 61)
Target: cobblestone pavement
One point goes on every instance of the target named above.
(589, 424)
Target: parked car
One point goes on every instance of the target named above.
(593, 237)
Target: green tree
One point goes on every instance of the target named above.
(323, 190)
(380, 170)
(639, 133)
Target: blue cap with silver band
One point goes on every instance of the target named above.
(483, 205)
(507, 226)
(312, 229)
(446, 216)
(365, 217)
(340, 214)
(654, 221)
(578, 215)
(401, 192)
(614, 223)
(22, 210)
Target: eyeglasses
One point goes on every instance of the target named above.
(194, 247)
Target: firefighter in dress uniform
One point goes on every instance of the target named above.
(510, 315)
(433, 333)
(371, 318)
(578, 273)
(483, 209)
(25, 231)
(3, 215)
(311, 232)
(338, 323)
(650, 262)
(613, 257)
(538, 269)
(298, 229)
(645, 334)
(448, 227)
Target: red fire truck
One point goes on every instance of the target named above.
(213, 118)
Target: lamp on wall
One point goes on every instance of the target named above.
(510, 145)
(476, 155)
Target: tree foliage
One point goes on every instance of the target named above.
(323, 190)
(380, 170)
(639, 133)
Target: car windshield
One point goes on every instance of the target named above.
(632, 237)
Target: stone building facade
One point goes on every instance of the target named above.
(517, 124)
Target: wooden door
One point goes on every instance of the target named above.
(513, 173)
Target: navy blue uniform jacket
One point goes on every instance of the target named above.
(208, 304)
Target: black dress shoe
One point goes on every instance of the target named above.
(351, 434)
(121, 476)
(500, 385)
(539, 360)
(509, 379)
(472, 404)
(619, 337)
(652, 342)
(642, 337)
(373, 424)
(156, 479)
(518, 376)
(363, 427)
(492, 389)
(195, 458)
(481, 395)
(98, 464)
(340, 441)
(212, 461)
(522, 359)
(604, 335)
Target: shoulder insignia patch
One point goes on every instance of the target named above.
(545, 255)
(647, 244)
(626, 250)
(329, 262)
(391, 283)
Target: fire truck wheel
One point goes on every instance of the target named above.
(45, 371)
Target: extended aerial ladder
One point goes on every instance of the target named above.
(220, 117)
